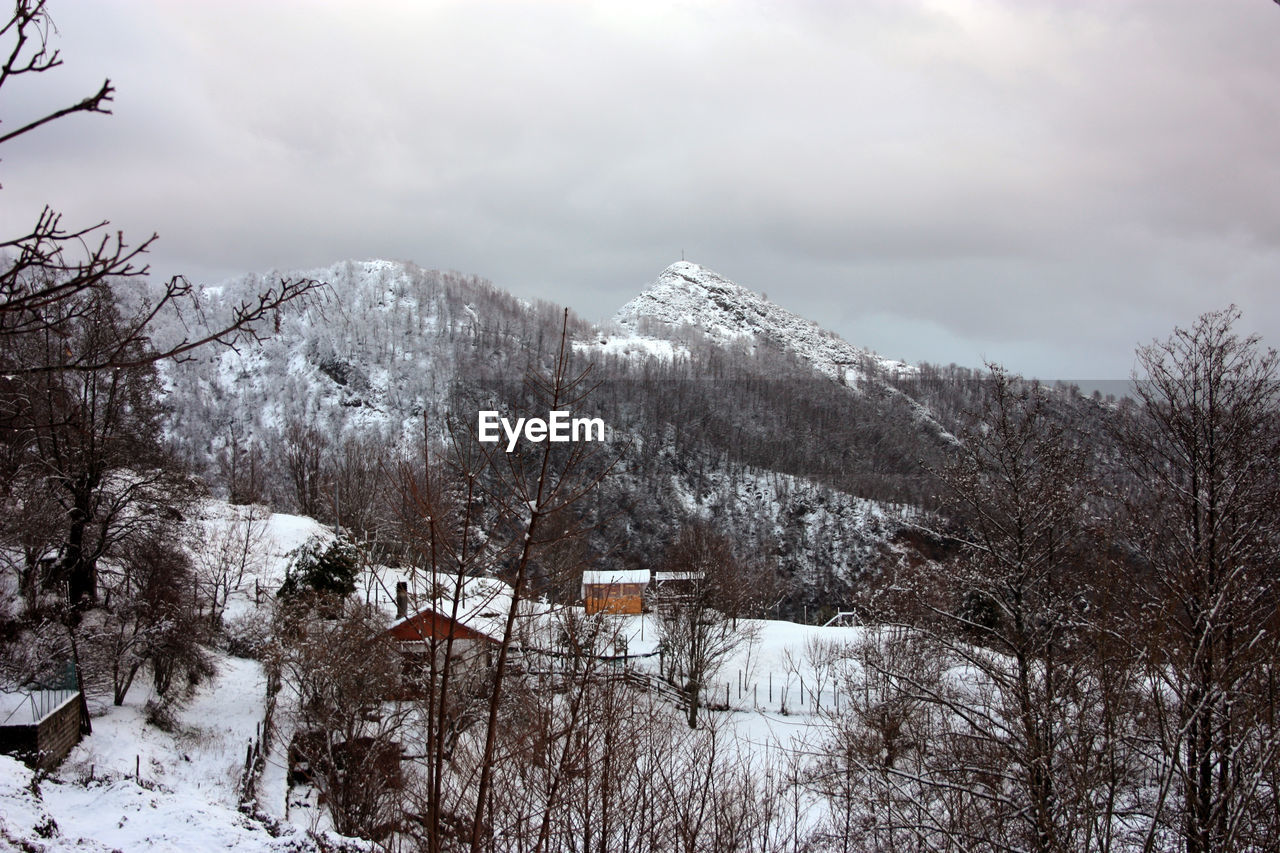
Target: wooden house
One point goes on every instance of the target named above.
(428, 630)
(614, 590)
(470, 637)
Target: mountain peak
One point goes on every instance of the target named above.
(694, 273)
(688, 294)
(697, 275)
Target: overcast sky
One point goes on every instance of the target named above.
(1042, 184)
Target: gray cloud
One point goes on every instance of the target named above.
(1046, 184)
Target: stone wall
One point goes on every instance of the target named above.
(59, 732)
(46, 743)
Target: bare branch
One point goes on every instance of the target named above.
(91, 104)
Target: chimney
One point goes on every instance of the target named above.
(402, 599)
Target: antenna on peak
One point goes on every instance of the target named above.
(682, 254)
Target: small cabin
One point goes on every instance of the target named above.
(470, 637)
(427, 629)
(615, 590)
(426, 636)
(473, 616)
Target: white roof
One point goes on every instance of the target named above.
(612, 577)
(659, 577)
(483, 603)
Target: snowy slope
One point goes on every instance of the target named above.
(131, 786)
(688, 295)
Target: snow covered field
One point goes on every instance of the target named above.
(132, 786)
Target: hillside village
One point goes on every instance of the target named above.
(466, 656)
(369, 556)
(132, 785)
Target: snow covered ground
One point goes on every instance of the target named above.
(133, 786)
(687, 295)
(776, 685)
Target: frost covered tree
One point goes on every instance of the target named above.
(47, 270)
(698, 613)
(1202, 446)
(322, 570)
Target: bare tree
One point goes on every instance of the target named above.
(304, 449)
(1021, 484)
(469, 512)
(146, 620)
(240, 465)
(91, 439)
(529, 489)
(356, 483)
(83, 470)
(226, 555)
(51, 267)
(439, 521)
(876, 746)
(991, 720)
(1202, 445)
(349, 733)
(698, 635)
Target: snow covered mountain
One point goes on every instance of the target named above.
(383, 346)
(687, 295)
(713, 392)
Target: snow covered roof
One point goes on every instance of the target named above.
(659, 577)
(612, 577)
(430, 623)
(483, 604)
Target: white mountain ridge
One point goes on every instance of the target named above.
(393, 349)
(689, 295)
(373, 354)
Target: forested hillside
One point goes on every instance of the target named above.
(264, 584)
(810, 451)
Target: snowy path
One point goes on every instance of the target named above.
(187, 798)
(204, 753)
